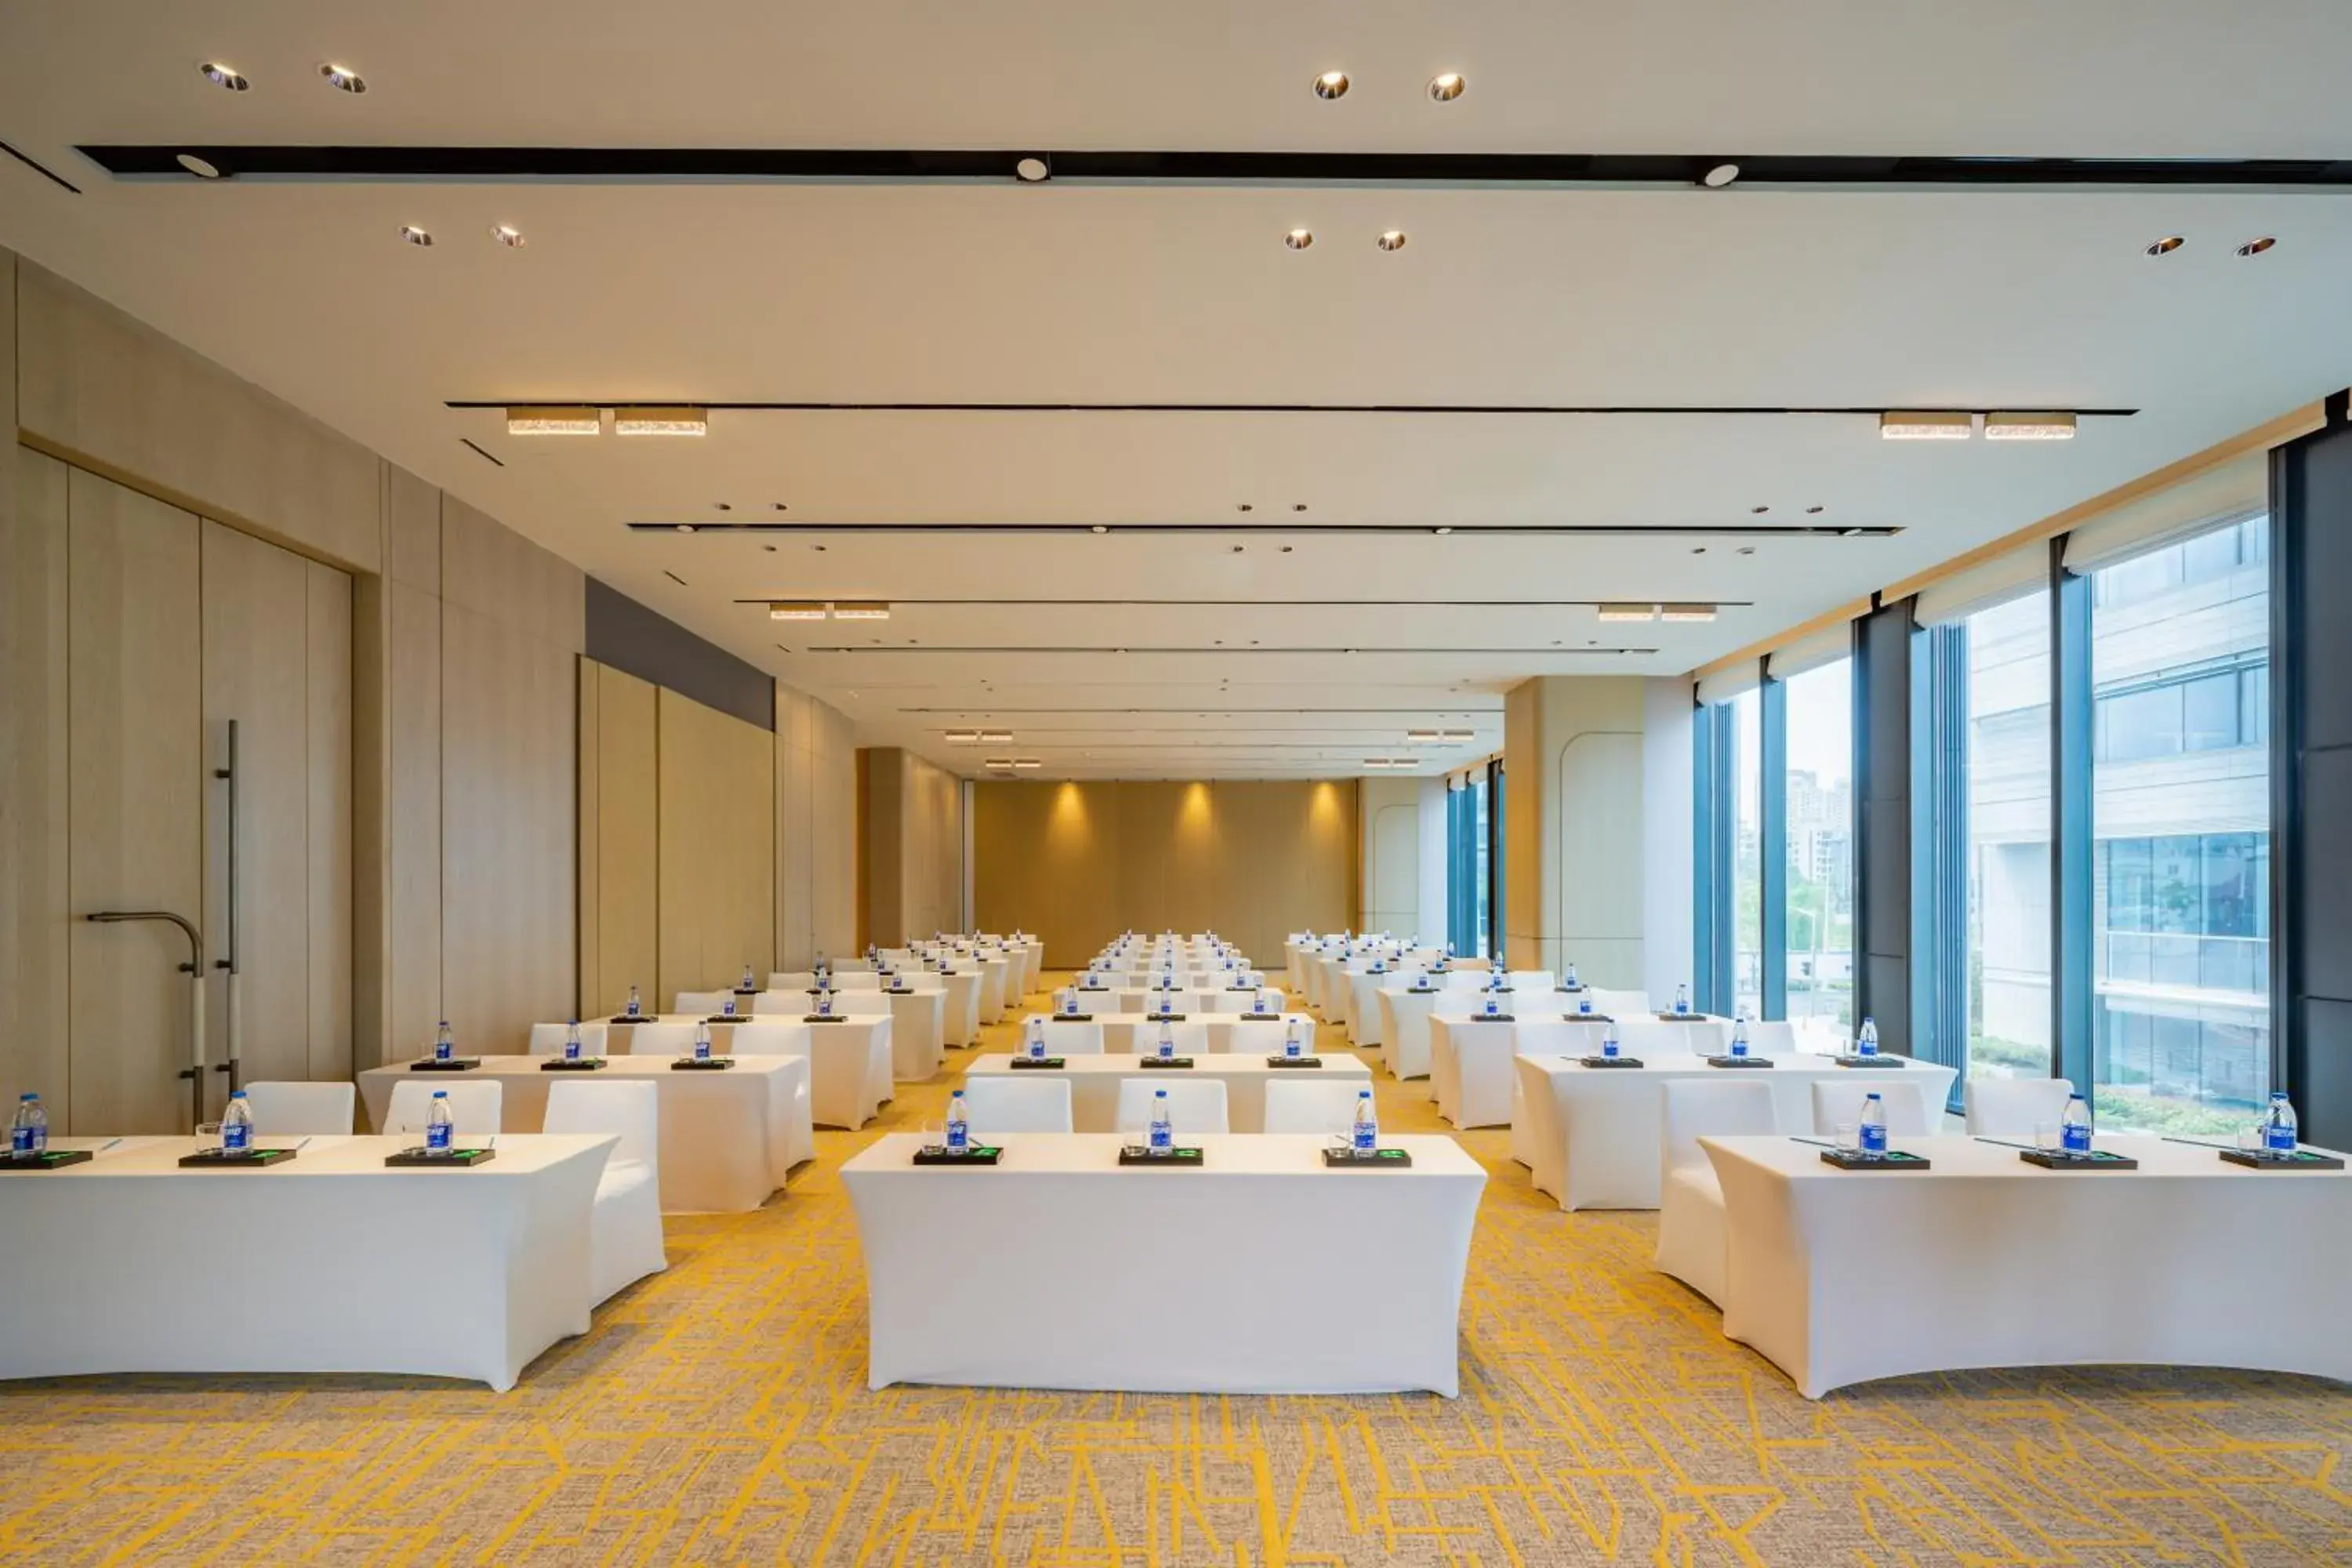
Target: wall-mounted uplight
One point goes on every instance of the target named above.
(1628, 612)
(553, 419)
(2028, 426)
(1934, 424)
(661, 422)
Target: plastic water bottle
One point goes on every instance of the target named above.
(702, 1042)
(637, 1009)
(1292, 1045)
(440, 1127)
(1865, 1041)
(1569, 981)
(1070, 1004)
(727, 1008)
(1873, 1127)
(237, 1125)
(444, 1047)
(1365, 1137)
(824, 1003)
(1167, 1040)
(1739, 1036)
(29, 1135)
(1494, 1005)
(1257, 1003)
(1163, 1130)
(572, 1041)
(959, 1124)
(1036, 1039)
(2075, 1127)
(1681, 1000)
(747, 984)
(1608, 1039)
(2279, 1133)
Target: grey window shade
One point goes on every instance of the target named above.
(2005, 577)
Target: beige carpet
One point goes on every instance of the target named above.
(719, 1414)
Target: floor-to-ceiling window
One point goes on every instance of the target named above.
(2180, 814)
(1819, 829)
(1482, 834)
(1748, 855)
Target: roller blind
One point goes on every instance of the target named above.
(1810, 653)
(1725, 684)
(1980, 587)
(2218, 495)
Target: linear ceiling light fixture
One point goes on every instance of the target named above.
(2028, 426)
(1687, 613)
(1001, 764)
(1025, 764)
(996, 737)
(861, 610)
(661, 422)
(554, 419)
(962, 737)
(1926, 425)
(1628, 612)
(1421, 737)
(796, 610)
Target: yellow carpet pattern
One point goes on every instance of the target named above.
(718, 1414)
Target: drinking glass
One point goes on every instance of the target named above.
(2249, 1137)
(1849, 1137)
(2049, 1137)
(934, 1133)
(208, 1137)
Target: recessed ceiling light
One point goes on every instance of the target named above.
(1442, 530)
(1720, 175)
(1025, 763)
(1098, 528)
(1238, 549)
(1747, 549)
(1331, 84)
(1813, 511)
(769, 548)
(1686, 612)
(220, 75)
(1759, 511)
(684, 527)
(778, 506)
(1299, 239)
(342, 77)
(564, 419)
(506, 234)
(1243, 506)
(202, 168)
(1391, 239)
(2257, 246)
(415, 236)
(796, 610)
(861, 610)
(1285, 549)
(1003, 764)
(1032, 170)
(1935, 426)
(2028, 426)
(722, 505)
(2167, 246)
(661, 422)
(1628, 612)
(1447, 86)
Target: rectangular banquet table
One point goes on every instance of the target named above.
(727, 1138)
(1095, 1080)
(1594, 1131)
(1406, 1014)
(340, 1265)
(918, 1015)
(1217, 1281)
(1840, 1277)
(1470, 1059)
(1134, 1034)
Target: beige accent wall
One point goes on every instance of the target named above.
(1574, 759)
(911, 839)
(718, 864)
(1391, 854)
(1074, 863)
(816, 829)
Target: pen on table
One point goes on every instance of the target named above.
(1816, 1142)
(2005, 1144)
(304, 1144)
(2192, 1142)
(110, 1144)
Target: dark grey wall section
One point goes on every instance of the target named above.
(1882, 773)
(650, 646)
(2311, 774)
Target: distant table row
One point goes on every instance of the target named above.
(1099, 999)
(1095, 1080)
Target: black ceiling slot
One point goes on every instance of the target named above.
(43, 169)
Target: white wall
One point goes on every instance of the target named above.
(1667, 852)
(1390, 813)
(1432, 859)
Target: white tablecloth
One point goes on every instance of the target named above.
(917, 1031)
(1406, 1014)
(1594, 1131)
(1133, 1034)
(1219, 1280)
(992, 969)
(1095, 1080)
(727, 1138)
(340, 1265)
(1470, 1059)
(1840, 1277)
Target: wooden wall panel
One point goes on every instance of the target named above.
(491, 570)
(413, 811)
(930, 847)
(796, 858)
(715, 855)
(619, 902)
(833, 829)
(136, 760)
(328, 700)
(36, 902)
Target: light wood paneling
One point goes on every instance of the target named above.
(620, 902)
(413, 808)
(412, 529)
(328, 698)
(833, 830)
(795, 848)
(117, 397)
(491, 570)
(136, 828)
(717, 855)
(35, 902)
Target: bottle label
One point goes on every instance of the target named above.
(958, 1135)
(436, 1137)
(1368, 1138)
(20, 1141)
(1163, 1137)
(236, 1137)
(2077, 1138)
(1873, 1139)
(2279, 1139)
(443, 1051)
(1609, 1049)
(633, 1006)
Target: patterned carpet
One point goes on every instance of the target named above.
(718, 1414)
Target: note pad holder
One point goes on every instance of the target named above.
(702, 1064)
(1877, 1061)
(633, 1018)
(570, 1064)
(47, 1160)
(825, 1017)
(1378, 1159)
(2097, 1160)
(2301, 1159)
(1166, 1061)
(1164, 1017)
(976, 1157)
(455, 1159)
(1739, 1062)
(1019, 1062)
(1609, 1062)
(1174, 1159)
(454, 1064)
(1486, 1019)
(1892, 1160)
(1294, 1061)
(222, 1160)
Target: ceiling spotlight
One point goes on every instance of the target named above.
(2167, 246)
(1391, 239)
(1628, 612)
(796, 610)
(1814, 510)
(1032, 170)
(661, 422)
(1442, 530)
(1299, 239)
(996, 737)
(1759, 511)
(1934, 426)
(683, 527)
(1720, 175)
(555, 420)
(1098, 528)
(220, 75)
(1687, 613)
(2257, 246)
(1376, 761)
(342, 77)
(415, 236)
(202, 168)
(962, 737)
(861, 610)
(1331, 84)
(507, 235)
(1447, 86)
(2028, 426)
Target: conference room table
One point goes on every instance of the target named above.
(1471, 1074)
(727, 1137)
(917, 1031)
(1219, 1280)
(1094, 1083)
(1405, 1013)
(851, 1071)
(330, 1262)
(1595, 1135)
(1983, 1260)
(1134, 1033)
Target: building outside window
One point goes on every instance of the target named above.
(2008, 742)
(1748, 855)
(1820, 852)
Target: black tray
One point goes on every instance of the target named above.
(1892, 1160)
(455, 1159)
(1486, 1019)
(899, 991)
(1378, 1159)
(1294, 1061)
(454, 1064)
(1176, 1159)
(974, 1157)
(2301, 1159)
(741, 991)
(560, 1064)
(702, 1064)
(728, 1019)
(1166, 1061)
(639, 1018)
(1165, 1017)
(1240, 987)
(1610, 1061)
(1588, 1017)
(1877, 1061)
(221, 1160)
(49, 1159)
(2097, 1160)
(1739, 1062)
(1019, 1062)
(1682, 1017)
(1261, 1017)
(825, 1017)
